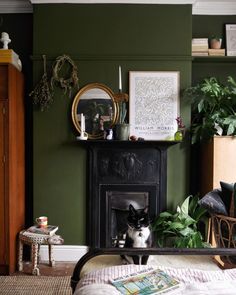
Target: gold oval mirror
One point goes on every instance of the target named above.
(96, 102)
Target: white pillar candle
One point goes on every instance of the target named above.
(82, 122)
(120, 81)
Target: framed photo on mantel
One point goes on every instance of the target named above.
(154, 104)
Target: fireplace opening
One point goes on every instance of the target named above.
(114, 210)
(118, 210)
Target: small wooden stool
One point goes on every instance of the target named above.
(35, 240)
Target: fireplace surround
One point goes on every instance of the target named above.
(120, 173)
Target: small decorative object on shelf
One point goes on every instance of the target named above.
(179, 134)
(215, 42)
(122, 128)
(42, 221)
(108, 134)
(83, 134)
(8, 55)
(5, 40)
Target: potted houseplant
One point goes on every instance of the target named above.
(181, 228)
(213, 108)
(214, 127)
(122, 128)
(215, 42)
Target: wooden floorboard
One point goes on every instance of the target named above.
(60, 269)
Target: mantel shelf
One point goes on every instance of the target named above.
(128, 143)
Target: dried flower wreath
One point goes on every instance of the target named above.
(66, 83)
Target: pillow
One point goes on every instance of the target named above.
(228, 190)
(213, 203)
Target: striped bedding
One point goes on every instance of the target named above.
(195, 281)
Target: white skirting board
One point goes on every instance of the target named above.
(63, 252)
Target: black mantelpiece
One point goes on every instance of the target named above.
(126, 168)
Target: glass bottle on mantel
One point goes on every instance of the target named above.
(179, 134)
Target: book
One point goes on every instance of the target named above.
(200, 53)
(149, 281)
(48, 230)
(217, 52)
(200, 41)
(200, 47)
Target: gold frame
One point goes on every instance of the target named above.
(76, 102)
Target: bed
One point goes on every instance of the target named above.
(194, 281)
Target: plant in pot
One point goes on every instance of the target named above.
(181, 228)
(122, 128)
(213, 108)
(215, 42)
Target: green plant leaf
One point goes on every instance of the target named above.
(201, 105)
(176, 225)
(186, 231)
(166, 214)
(184, 207)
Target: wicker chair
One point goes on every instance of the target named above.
(224, 229)
(223, 233)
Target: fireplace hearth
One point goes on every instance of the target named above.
(121, 173)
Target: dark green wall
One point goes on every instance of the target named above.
(99, 38)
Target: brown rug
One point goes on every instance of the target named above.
(35, 285)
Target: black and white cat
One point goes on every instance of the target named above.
(138, 234)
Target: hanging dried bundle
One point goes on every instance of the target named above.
(41, 94)
(69, 82)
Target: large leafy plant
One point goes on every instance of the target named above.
(180, 229)
(213, 108)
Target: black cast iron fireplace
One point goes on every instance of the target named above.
(122, 173)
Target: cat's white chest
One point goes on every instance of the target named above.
(139, 237)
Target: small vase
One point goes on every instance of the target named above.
(179, 134)
(122, 131)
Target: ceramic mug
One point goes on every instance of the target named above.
(42, 221)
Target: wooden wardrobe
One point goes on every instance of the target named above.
(12, 165)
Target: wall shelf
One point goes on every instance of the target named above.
(214, 59)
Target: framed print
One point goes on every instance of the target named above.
(154, 104)
(230, 31)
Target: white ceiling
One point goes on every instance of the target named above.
(204, 7)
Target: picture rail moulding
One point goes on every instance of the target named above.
(199, 7)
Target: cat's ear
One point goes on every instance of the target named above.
(131, 209)
(145, 210)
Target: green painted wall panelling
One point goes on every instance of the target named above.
(101, 37)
